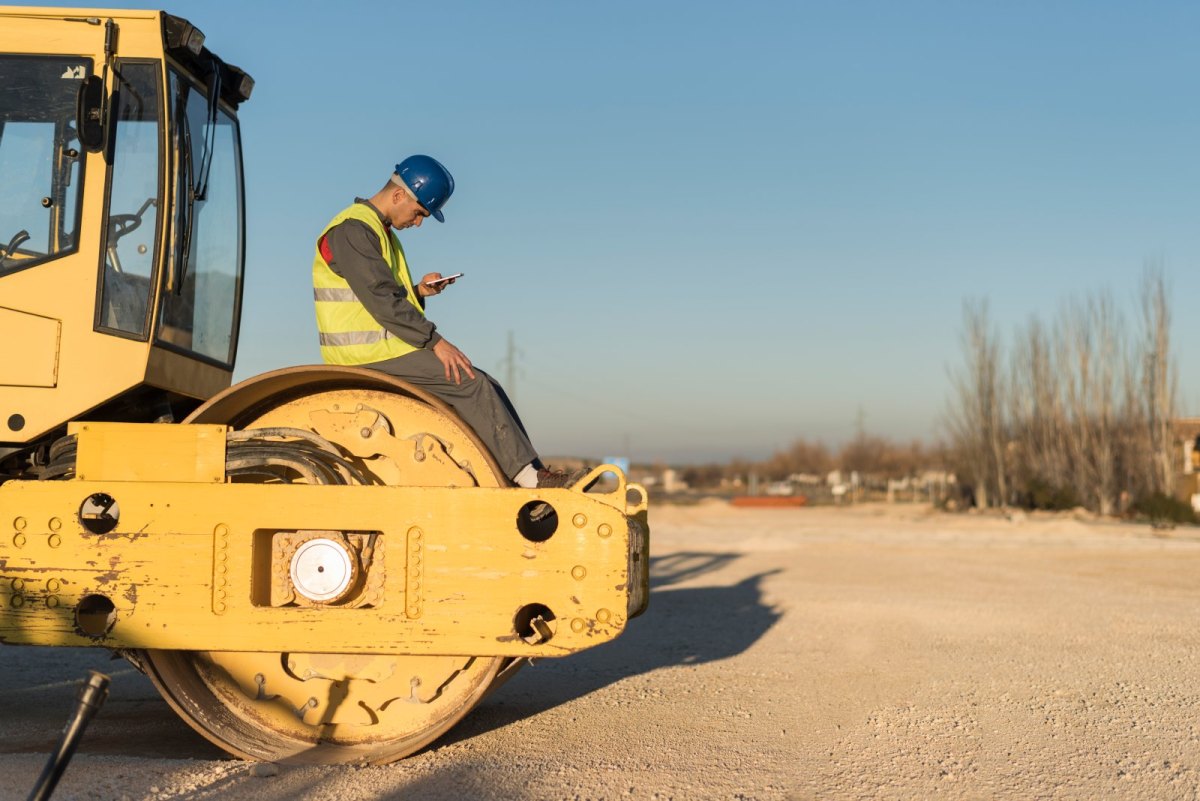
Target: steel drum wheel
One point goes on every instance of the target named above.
(311, 708)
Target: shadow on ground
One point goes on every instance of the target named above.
(676, 568)
(683, 626)
(134, 720)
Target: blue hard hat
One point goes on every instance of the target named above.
(430, 182)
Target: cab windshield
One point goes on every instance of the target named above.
(40, 158)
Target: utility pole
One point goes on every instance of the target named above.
(509, 364)
(860, 439)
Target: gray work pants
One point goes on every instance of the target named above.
(479, 401)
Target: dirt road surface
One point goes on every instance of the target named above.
(876, 652)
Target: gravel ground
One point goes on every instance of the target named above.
(873, 652)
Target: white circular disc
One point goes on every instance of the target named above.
(322, 570)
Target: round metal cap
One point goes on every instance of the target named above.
(322, 570)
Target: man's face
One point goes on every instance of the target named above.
(408, 212)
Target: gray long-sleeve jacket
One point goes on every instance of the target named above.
(357, 258)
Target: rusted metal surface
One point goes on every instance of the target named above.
(201, 558)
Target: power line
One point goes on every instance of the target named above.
(509, 365)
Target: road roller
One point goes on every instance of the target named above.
(317, 565)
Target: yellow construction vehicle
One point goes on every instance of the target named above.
(317, 565)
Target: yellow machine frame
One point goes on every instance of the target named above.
(190, 566)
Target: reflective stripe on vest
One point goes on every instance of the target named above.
(335, 294)
(348, 333)
(355, 337)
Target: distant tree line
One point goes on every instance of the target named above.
(1077, 412)
(874, 458)
(1074, 412)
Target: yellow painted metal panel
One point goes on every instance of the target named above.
(139, 452)
(24, 32)
(182, 567)
(31, 349)
(79, 31)
(48, 12)
(92, 367)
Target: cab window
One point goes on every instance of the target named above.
(200, 308)
(131, 229)
(40, 158)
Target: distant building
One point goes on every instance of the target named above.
(671, 481)
(1187, 453)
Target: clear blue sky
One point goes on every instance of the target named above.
(714, 228)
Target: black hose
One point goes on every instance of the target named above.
(87, 703)
(247, 452)
(63, 446)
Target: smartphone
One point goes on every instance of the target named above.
(444, 279)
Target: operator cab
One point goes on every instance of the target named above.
(121, 219)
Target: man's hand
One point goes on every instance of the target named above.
(454, 360)
(425, 290)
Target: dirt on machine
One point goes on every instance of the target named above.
(318, 565)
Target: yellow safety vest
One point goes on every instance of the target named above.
(349, 334)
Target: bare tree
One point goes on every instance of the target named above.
(1087, 412)
(1088, 339)
(882, 458)
(1159, 381)
(1039, 419)
(801, 457)
(976, 416)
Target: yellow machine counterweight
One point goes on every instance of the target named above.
(317, 565)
